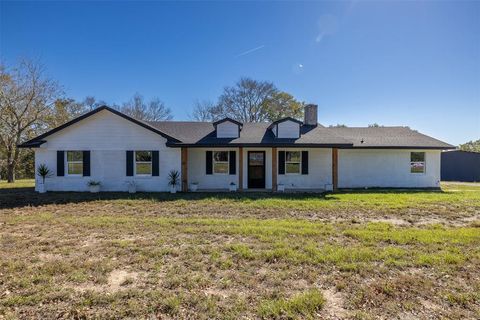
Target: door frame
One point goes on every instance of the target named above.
(248, 169)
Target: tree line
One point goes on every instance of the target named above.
(32, 103)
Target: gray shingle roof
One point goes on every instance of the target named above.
(198, 134)
(389, 137)
(203, 134)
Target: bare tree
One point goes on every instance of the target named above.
(64, 110)
(154, 110)
(247, 100)
(204, 111)
(26, 100)
(250, 101)
(91, 103)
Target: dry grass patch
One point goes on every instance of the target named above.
(158, 256)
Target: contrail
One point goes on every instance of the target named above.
(250, 51)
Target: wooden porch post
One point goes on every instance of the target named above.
(274, 169)
(240, 168)
(335, 168)
(184, 169)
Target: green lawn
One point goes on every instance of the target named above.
(355, 255)
(25, 183)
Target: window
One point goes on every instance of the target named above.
(292, 162)
(220, 162)
(74, 163)
(143, 163)
(417, 162)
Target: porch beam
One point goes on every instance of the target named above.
(240, 169)
(274, 169)
(184, 169)
(335, 168)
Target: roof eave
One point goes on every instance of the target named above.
(406, 147)
(32, 144)
(259, 145)
(283, 120)
(238, 123)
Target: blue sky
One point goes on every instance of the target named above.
(393, 63)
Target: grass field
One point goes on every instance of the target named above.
(368, 254)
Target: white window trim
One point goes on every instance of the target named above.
(227, 162)
(424, 163)
(135, 164)
(67, 174)
(299, 167)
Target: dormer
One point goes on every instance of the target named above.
(288, 128)
(227, 128)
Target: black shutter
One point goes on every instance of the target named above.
(281, 162)
(304, 162)
(209, 162)
(129, 163)
(86, 163)
(60, 163)
(233, 162)
(155, 163)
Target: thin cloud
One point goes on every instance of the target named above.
(327, 25)
(250, 51)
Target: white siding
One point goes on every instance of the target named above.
(385, 168)
(319, 171)
(107, 136)
(288, 129)
(227, 129)
(197, 170)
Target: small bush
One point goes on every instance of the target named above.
(301, 305)
(242, 251)
(171, 305)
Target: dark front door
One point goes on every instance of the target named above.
(256, 169)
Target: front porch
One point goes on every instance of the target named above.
(253, 169)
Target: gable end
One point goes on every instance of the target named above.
(37, 141)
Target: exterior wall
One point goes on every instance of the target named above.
(319, 171)
(227, 129)
(288, 129)
(107, 136)
(197, 170)
(385, 168)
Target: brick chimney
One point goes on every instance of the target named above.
(311, 115)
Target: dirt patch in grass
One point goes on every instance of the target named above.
(121, 278)
(334, 302)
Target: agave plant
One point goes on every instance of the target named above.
(44, 172)
(173, 178)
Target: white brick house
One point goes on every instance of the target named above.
(108, 146)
